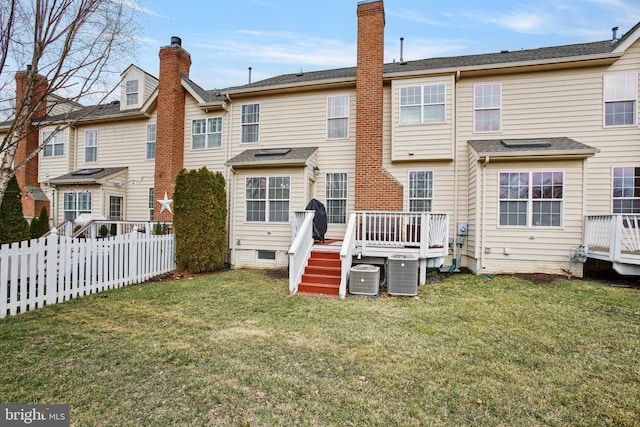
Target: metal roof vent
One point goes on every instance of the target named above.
(177, 41)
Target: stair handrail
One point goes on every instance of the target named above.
(346, 254)
(300, 250)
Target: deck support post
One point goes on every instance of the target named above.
(423, 271)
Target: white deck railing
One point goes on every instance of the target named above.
(402, 229)
(347, 251)
(104, 228)
(614, 238)
(301, 246)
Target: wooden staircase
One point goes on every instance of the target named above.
(322, 275)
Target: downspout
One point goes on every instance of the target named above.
(231, 186)
(484, 210)
(455, 165)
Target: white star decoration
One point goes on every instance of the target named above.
(166, 203)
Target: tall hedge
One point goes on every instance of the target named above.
(39, 225)
(200, 220)
(13, 226)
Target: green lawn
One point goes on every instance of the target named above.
(235, 349)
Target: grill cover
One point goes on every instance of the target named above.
(319, 220)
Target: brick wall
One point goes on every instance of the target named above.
(28, 175)
(376, 189)
(174, 62)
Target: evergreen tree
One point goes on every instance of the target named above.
(13, 226)
(40, 225)
(200, 220)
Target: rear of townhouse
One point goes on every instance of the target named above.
(517, 148)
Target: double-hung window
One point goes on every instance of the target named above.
(115, 208)
(338, 117)
(55, 146)
(422, 104)
(420, 191)
(531, 199)
(336, 198)
(76, 203)
(620, 99)
(487, 104)
(250, 123)
(151, 142)
(267, 199)
(91, 146)
(626, 190)
(151, 203)
(206, 133)
(131, 92)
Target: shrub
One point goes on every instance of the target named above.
(199, 219)
(159, 229)
(13, 226)
(103, 231)
(40, 225)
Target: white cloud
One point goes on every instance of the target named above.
(279, 47)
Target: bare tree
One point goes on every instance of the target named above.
(65, 50)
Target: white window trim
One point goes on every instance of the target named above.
(128, 92)
(206, 133)
(530, 201)
(433, 189)
(77, 209)
(613, 198)
(45, 135)
(328, 118)
(88, 131)
(242, 125)
(148, 141)
(150, 201)
(267, 200)
(605, 100)
(422, 104)
(499, 108)
(346, 199)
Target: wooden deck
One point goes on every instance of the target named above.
(614, 238)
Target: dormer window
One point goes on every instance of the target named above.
(131, 90)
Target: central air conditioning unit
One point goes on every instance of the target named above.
(402, 275)
(364, 279)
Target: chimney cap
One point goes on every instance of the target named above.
(175, 40)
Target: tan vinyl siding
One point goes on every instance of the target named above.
(52, 167)
(270, 236)
(300, 120)
(432, 141)
(542, 249)
(130, 138)
(212, 158)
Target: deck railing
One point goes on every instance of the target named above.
(97, 228)
(402, 229)
(301, 246)
(614, 238)
(346, 253)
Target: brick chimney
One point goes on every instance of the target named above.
(28, 175)
(174, 63)
(376, 189)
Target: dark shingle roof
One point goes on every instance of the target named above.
(85, 176)
(524, 147)
(445, 63)
(297, 156)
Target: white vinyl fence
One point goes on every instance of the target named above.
(54, 269)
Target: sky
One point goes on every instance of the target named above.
(273, 37)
